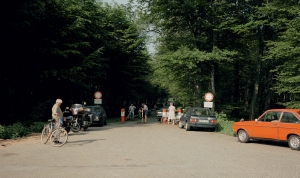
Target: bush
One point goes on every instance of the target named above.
(18, 130)
(36, 127)
(224, 125)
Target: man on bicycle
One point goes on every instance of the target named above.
(131, 112)
(57, 114)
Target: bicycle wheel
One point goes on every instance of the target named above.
(59, 137)
(45, 134)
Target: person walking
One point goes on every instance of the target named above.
(171, 116)
(131, 112)
(145, 108)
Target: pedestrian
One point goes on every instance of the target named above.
(57, 115)
(171, 116)
(145, 108)
(131, 112)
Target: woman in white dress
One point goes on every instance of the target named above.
(171, 116)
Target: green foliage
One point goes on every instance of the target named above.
(224, 124)
(36, 127)
(14, 131)
(18, 130)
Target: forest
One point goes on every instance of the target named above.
(245, 52)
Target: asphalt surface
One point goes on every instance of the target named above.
(136, 150)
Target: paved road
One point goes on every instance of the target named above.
(136, 150)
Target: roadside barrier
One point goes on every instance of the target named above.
(122, 115)
(164, 116)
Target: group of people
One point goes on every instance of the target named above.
(143, 112)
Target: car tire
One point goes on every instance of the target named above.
(180, 125)
(187, 127)
(105, 122)
(243, 136)
(294, 142)
(100, 123)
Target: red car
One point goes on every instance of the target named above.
(274, 124)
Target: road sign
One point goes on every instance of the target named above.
(208, 104)
(98, 95)
(208, 97)
(97, 101)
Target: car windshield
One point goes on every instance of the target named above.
(76, 106)
(96, 109)
(201, 112)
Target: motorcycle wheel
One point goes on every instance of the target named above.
(75, 127)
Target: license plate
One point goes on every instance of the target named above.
(203, 120)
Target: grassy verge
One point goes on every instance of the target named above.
(224, 125)
(113, 119)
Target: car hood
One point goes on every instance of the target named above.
(244, 123)
(96, 113)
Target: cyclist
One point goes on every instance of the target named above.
(131, 112)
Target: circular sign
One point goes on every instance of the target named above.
(98, 95)
(209, 97)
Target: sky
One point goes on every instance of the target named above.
(117, 1)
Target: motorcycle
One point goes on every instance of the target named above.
(79, 118)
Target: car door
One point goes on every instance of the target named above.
(186, 116)
(288, 124)
(267, 126)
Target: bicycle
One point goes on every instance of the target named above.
(130, 116)
(57, 136)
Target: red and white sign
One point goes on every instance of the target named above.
(208, 97)
(98, 95)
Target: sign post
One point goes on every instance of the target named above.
(208, 98)
(98, 96)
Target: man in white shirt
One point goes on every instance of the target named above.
(131, 112)
(145, 110)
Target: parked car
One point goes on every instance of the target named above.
(197, 117)
(97, 115)
(273, 124)
(159, 112)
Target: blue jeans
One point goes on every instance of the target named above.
(61, 121)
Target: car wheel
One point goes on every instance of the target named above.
(105, 122)
(101, 123)
(294, 142)
(243, 136)
(180, 125)
(187, 127)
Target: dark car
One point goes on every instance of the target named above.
(197, 117)
(97, 115)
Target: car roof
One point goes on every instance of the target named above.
(93, 106)
(283, 109)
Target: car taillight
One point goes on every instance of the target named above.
(213, 121)
(193, 120)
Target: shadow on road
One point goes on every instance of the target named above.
(270, 143)
(82, 142)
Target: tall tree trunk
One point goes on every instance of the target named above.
(213, 89)
(258, 71)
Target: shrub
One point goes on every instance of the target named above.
(17, 130)
(224, 125)
(36, 127)
(14, 131)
